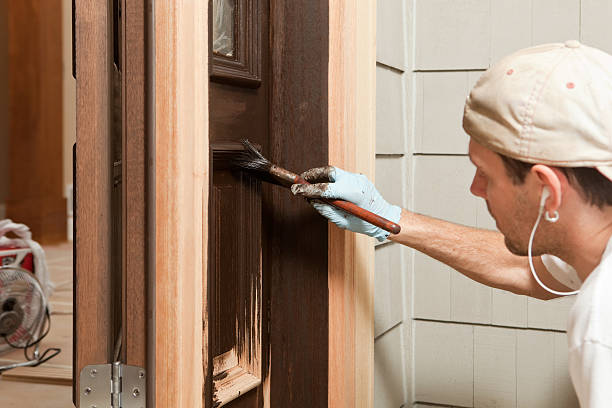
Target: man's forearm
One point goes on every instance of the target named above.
(479, 254)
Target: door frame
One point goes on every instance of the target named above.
(181, 172)
(177, 192)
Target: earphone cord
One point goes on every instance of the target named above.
(533, 272)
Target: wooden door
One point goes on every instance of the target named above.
(267, 275)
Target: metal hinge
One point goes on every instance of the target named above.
(113, 385)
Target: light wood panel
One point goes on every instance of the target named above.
(181, 186)
(352, 113)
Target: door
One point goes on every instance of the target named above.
(267, 273)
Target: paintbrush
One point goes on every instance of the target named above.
(251, 159)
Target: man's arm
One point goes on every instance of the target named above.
(479, 254)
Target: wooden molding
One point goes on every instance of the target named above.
(181, 186)
(244, 67)
(352, 120)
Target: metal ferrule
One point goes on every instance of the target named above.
(285, 176)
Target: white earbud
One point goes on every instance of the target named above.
(545, 195)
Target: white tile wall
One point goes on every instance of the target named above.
(440, 99)
(549, 314)
(388, 370)
(452, 34)
(508, 309)
(494, 367)
(432, 288)
(470, 301)
(387, 288)
(390, 28)
(390, 178)
(510, 27)
(443, 180)
(555, 21)
(535, 369)
(444, 363)
(564, 395)
(390, 111)
(595, 28)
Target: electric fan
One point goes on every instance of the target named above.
(24, 315)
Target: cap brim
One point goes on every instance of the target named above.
(606, 171)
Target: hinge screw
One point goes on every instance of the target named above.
(93, 372)
(141, 374)
(136, 392)
(87, 391)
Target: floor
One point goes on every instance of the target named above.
(31, 391)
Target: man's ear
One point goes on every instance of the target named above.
(554, 180)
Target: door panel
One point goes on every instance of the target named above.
(275, 95)
(238, 110)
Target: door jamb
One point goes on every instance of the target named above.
(352, 136)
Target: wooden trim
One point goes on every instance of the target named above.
(134, 277)
(181, 184)
(92, 284)
(352, 120)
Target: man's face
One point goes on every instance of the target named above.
(512, 206)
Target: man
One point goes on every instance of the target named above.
(540, 126)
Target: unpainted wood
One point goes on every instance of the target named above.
(92, 309)
(134, 183)
(352, 110)
(36, 192)
(44, 374)
(181, 175)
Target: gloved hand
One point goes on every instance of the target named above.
(334, 183)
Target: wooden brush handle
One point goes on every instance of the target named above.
(359, 212)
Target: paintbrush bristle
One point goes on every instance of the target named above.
(251, 159)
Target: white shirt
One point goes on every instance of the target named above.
(589, 329)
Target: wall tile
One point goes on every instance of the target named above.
(510, 27)
(494, 367)
(443, 368)
(535, 369)
(443, 180)
(387, 288)
(555, 21)
(389, 111)
(595, 28)
(432, 288)
(470, 300)
(508, 309)
(452, 34)
(439, 112)
(390, 179)
(549, 314)
(390, 26)
(564, 395)
(388, 370)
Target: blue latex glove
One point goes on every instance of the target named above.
(334, 183)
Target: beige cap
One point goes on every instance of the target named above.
(549, 104)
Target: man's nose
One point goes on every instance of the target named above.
(478, 187)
